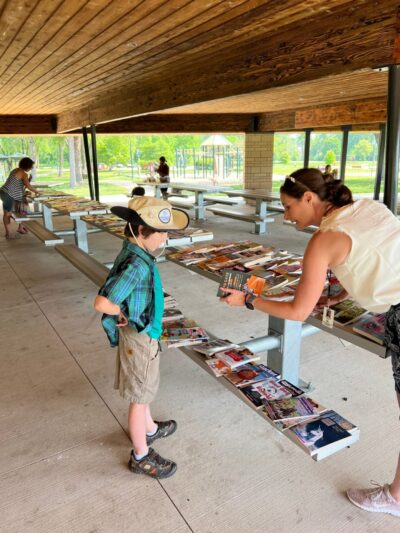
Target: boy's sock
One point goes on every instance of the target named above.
(140, 456)
(153, 432)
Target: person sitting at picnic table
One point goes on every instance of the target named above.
(163, 172)
(12, 193)
(359, 241)
(138, 191)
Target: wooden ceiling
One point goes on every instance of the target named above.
(97, 61)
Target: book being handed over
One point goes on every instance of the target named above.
(232, 279)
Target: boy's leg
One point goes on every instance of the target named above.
(151, 426)
(137, 428)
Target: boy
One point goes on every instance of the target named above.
(132, 303)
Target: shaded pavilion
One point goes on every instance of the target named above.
(252, 67)
(256, 67)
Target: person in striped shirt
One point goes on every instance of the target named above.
(13, 190)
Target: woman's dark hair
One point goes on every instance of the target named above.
(145, 231)
(312, 179)
(26, 163)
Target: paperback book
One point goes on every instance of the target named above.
(250, 374)
(274, 389)
(323, 435)
(171, 314)
(236, 357)
(213, 347)
(295, 409)
(372, 326)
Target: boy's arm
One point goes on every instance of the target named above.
(103, 305)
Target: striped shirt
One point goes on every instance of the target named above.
(14, 186)
(130, 285)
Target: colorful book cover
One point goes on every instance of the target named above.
(237, 357)
(290, 408)
(217, 345)
(372, 326)
(274, 389)
(318, 434)
(249, 374)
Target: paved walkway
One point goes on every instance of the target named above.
(64, 444)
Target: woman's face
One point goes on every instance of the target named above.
(299, 210)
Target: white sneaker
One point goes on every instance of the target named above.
(378, 500)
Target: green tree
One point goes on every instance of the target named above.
(330, 157)
(363, 150)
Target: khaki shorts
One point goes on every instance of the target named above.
(137, 372)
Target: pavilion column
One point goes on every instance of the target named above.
(258, 159)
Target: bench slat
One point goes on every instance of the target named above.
(48, 237)
(233, 213)
(91, 267)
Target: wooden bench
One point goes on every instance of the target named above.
(223, 200)
(260, 223)
(48, 237)
(93, 269)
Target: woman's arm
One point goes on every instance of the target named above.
(27, 184)
(322, 251)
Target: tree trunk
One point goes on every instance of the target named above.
(72, 170)
(78, 159)
(33, 154)
(60, 170)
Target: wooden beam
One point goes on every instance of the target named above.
(223, 123)
(28, 124)
(350, 37)
(364, 113)
(373, 111)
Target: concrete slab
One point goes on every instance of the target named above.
(64, 449)
(86, 488)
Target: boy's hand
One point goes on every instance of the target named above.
(122, 320)
(233, 297)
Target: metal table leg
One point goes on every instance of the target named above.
(286, 358)
(80, 229)
(199, 212)
(47, 217)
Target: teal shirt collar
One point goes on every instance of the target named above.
(150, 260)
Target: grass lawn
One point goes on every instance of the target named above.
(360, 178)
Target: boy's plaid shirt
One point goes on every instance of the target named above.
(130, 286)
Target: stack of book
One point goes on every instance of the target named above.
(371, 326)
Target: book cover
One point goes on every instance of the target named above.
(349, 315)
(234, 358)
(253, 396)
(217, 367)
(372, 326)
(274, 389)
(249, 374)
(212, 347)
(231, 280)
(172, 334)
(298, 408)
(171, 314)
(320, 434)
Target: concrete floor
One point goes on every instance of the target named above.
(63, 429)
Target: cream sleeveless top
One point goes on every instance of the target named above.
(371, 271)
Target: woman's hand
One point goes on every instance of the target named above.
(233, 297)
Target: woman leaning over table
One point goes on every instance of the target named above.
(13, 190)
(360, 242)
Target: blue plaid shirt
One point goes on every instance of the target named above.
(130, 285)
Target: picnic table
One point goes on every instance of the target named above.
(199, 191)
(75, 208)
(113, 225)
